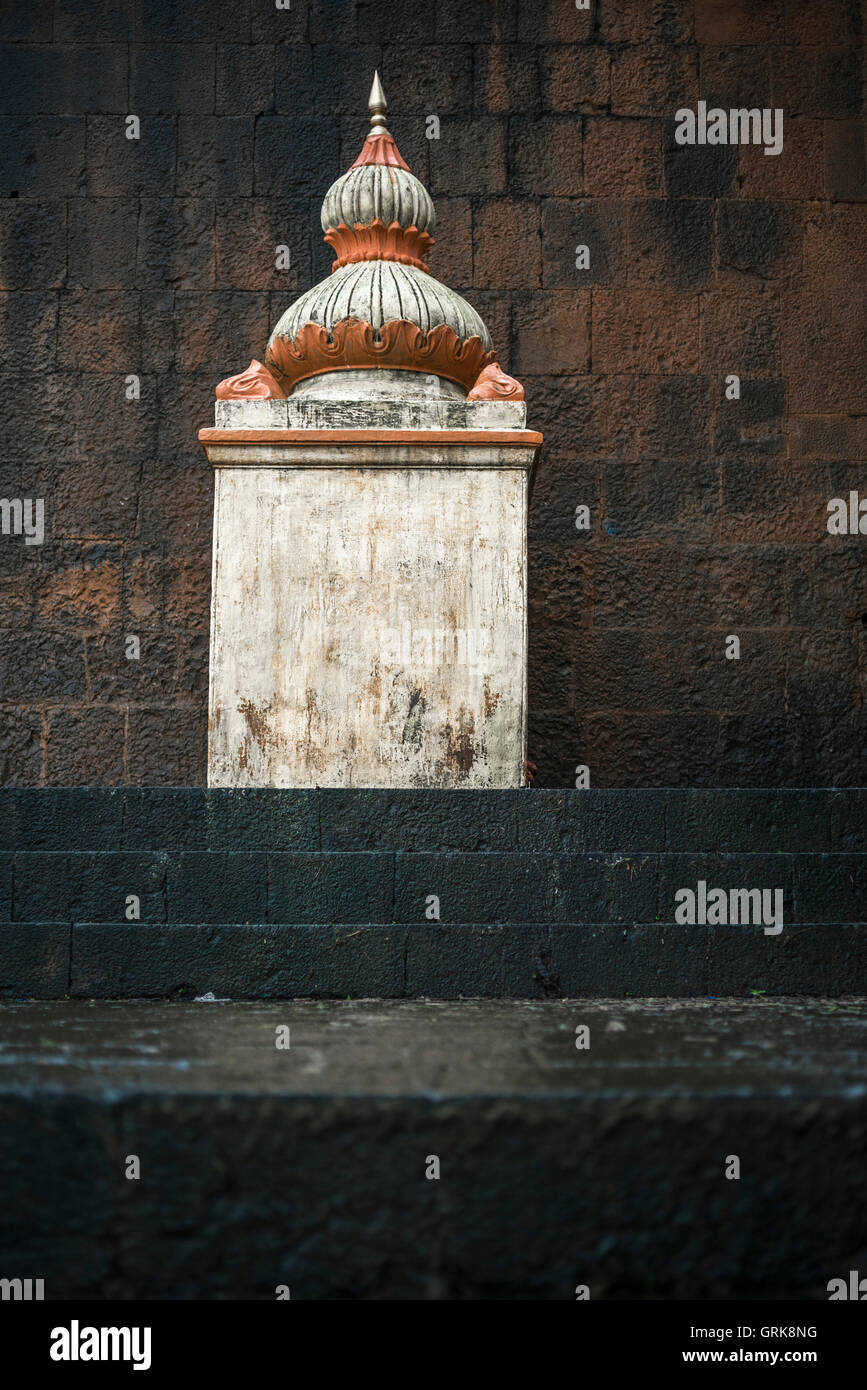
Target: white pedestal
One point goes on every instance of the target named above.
(369, 602)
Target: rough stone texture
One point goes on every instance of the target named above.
(558, 1166)
(541, 894)
(157, 257)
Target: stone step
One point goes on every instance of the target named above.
(364, 887)
(335, 894)
(436, 960)
(558, 1167)
(638, 821)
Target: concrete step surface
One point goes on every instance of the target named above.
(720, 820)
(308, 1166)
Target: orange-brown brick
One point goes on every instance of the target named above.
(622, 158)
(557, 129)
(823, 348)
(797, 172)
(507, 253)
(552, 331)
(575, 79)
(546, 155)
(739, 21)
(645, 330)
(653, 80)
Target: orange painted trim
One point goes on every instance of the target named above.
(474, 437)
(397, 345)
(373, 241)
(496, 385)
(256, 383)
(380, 148)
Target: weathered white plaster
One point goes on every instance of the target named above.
(368, 619)
(344, 453)
(376, 384)
(412, 412)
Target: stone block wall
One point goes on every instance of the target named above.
(155, 258)
(160, 892)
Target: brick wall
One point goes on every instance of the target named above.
(708, 516)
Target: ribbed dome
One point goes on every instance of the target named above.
(368, 191)
(378, 292)
(380, 307)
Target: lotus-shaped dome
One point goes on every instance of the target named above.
(380, 307)
(377, 292)
(387, 192)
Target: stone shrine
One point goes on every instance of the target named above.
(369, 598)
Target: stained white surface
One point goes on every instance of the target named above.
(368, 625)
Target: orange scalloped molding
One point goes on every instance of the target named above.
(398, 346)
(374, 241)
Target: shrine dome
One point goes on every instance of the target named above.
(380, 308)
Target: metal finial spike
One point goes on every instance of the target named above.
(377, 105)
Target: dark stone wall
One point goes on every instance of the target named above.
(544, 894)
(708, 517)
